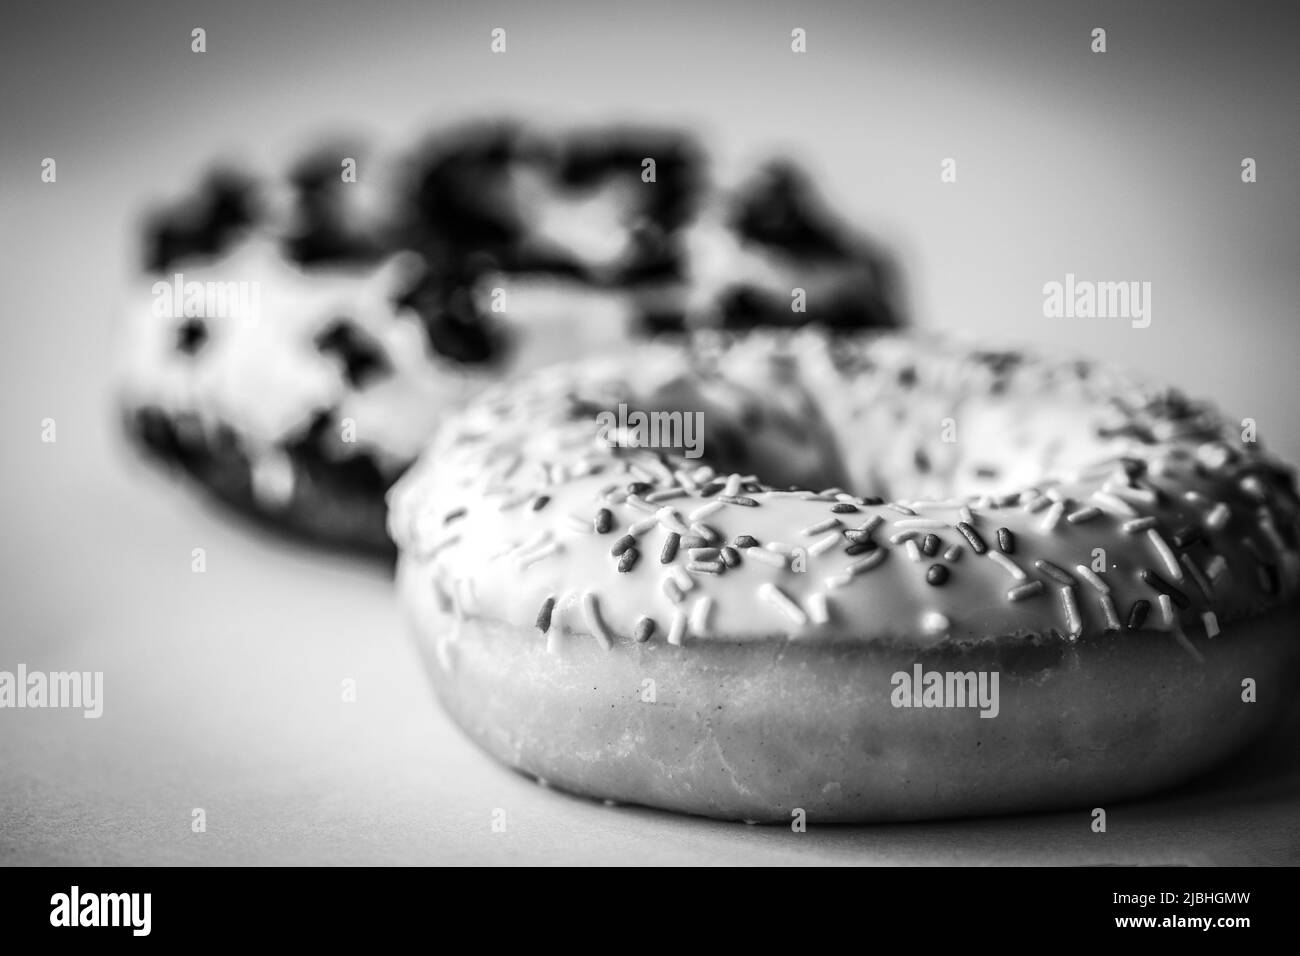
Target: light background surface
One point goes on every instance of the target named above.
(222, 689)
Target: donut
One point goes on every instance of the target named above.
(295, 340)
(869, 577)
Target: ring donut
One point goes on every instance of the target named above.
(904, 580)
(296, 339)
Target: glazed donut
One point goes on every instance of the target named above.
(360, 312)
(905, 579)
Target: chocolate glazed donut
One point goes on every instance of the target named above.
(1032, 584)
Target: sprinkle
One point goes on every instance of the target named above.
(677, 629)
(838, 581)
(1083, 515)
(937, 574)
(972, 537)
(818, 607)
(1006, 540)
(1055, 572)
(578, 524)
(1197, 577)
(1053, 516)
(648, 523)
(1218, 564)
(1211, 624)
(746, 541)
(545, 551)
(930, 545)
(1143, 496)
(705, 567)
(591, 613)
(1073, 622)
(1137, 614)
(1114, 503)
(708, 491)
(622, 544)
(665, 494)
(966, 515)
(1111, 614)
(703, 511)
(860, 547)
(692, 541)
(932, 622)
(1166, 554)
(780, 547)
(604, 521)
(953, 553)
(1167, 617)
(638, 488)
(730, 556)
(844, 508)
(670, 548)
(705, 532)
(627, 561)
(452, 515)
(1155, 581)
(632, 501)
(820, 527)
(905, 512)
(1007, 565)
(825, 544)
(901, 536)
(671, 520)
(732, 487)
(764, 556)
(1185, 537)
(1217, 517)
(1035, 505)
(774, 596)
(543, 622)
(871, 524)
(913, 551)
(1022, 591)
(670, 588)
(541, 501)
(1138, 524)
(1055, 494)
(645, 627)
(686, 481)
(921, 523)
(743, 500)
(700, 615)
(867, 563)
(680, 577)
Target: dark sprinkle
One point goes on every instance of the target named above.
(708, 491)
(191, 335)
(930, 545)
(1153, 580)
(937, 574)
(544, 615)
(739, 500)
(984, 471)
(861, 547)
(1055, 572)
(541, 501)
(692, 541)
(972, 537)
(844, 508)
(746, 541)
(638, 488)
(856, 535)
(873, 501)
(604, 521)
(643, 630)
(1185, 537)
(1133, 467)
(670, 548)
(1137, 615)
(622, 544)
(730, 556)
(452, 515)
(627, 561)
(1006, 541)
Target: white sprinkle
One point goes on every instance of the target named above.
(677, 629)
(1006, 564)
(732, 488)
(1211, 624)
(1166, 554)
(1092, 578)
(825, 544)
(1073, 622)
(1270, 533)
(1055, 494)
(867, 563)
(671, 520)
(703, 474)
(1195, 574)
(953, 553)
(1218, 564)
(1112, 503)
(640, 504)
(704, 510)
(818, 607)
(913, 551)
(926, 523)
(700, 611)
(545, 551)
(820, 526)
(578, 525)
(591, 612)
(686, 480)
(672, 591)
(774, 596)
(1112, 615)
(847, 498)
(764, 556)
(1167, 611)
(871, 524)
(1053, 516)
(1143, 496)
(932, 622)
(665, 494)
(899, 537)
(966, 515)
(680, 577)
(838, 581)
(645, 524)
(1217, 517)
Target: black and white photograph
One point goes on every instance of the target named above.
(568, 434)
